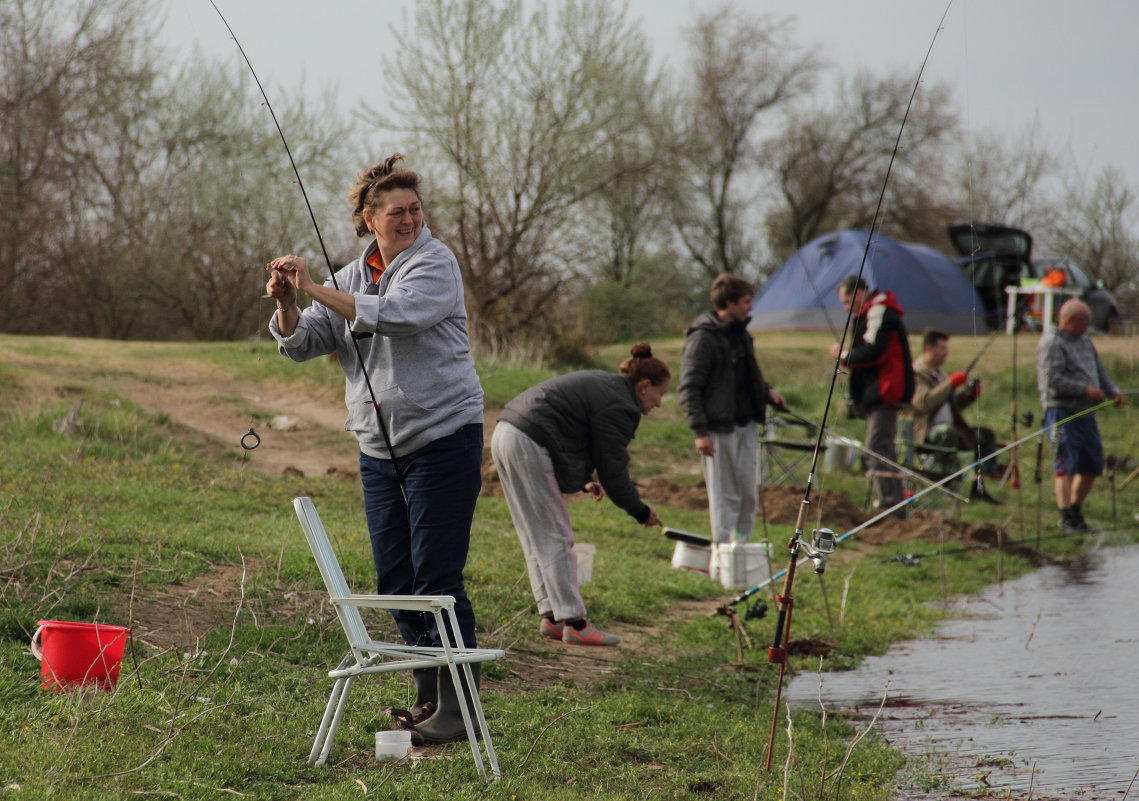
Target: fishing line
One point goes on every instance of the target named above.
(748, 593)
(785, 602)
(327, 260)
(811, 281)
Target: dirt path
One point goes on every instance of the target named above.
(205, 404)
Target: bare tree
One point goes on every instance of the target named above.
(640, 155)
(224, 200)
(74, 79)
(1099, 233)
(741, 67)
(513, 114)
(830, 164)
(135, 202)
(1008, 180)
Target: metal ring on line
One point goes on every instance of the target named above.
(247, 435)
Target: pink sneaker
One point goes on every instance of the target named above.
(590, 635)
(551, 628)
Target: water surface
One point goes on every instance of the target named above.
(1035, 685)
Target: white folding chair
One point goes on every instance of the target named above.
(370, 656)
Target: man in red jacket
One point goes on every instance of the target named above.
(881, 376)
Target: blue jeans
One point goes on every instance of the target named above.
(420, 546)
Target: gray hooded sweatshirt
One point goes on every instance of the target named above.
(419, 358)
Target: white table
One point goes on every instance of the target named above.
(1047, 292)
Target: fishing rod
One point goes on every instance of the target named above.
(911, 559)
(978, 480)
(853, 443)
(751, 591)
(777, 653)
(969, 367)
(336, 285)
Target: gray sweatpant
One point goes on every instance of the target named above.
(731, 475)
(541, 520)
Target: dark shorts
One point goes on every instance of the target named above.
(1076, 444)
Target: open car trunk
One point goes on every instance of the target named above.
(994, 257)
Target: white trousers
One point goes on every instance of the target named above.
(732, 479)
(541, 520)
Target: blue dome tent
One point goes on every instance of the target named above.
(802, 295)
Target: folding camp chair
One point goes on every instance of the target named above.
(929, 461)
(774, 467)
(370, 656)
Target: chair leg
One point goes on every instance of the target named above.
(475, 700)
(476, 703)
(330, 723)
(464, 709)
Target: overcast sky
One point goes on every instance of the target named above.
(1070, 65)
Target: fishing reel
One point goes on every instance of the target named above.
(820, 548)
(756, 611)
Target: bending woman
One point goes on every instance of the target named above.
(402, 303)
(548, 441)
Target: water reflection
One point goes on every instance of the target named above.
(1039, 672)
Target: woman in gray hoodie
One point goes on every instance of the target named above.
(414, 404)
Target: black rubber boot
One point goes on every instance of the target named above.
(1067, 521)
(446, 725)
(426, 692)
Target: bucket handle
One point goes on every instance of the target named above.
(36, 652)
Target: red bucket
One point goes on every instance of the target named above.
(75, 654)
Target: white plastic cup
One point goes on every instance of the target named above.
(393, 746)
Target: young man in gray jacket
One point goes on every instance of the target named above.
(723, 396)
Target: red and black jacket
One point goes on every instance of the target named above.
(881, 369)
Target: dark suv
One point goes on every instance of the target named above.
(996, 257)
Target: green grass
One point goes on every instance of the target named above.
(120, 513)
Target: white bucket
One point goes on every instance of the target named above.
(584, 552)
(839, 458)
(697, 558)
(740, 565)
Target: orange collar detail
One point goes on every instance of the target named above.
(376, 262)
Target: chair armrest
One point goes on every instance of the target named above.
(794, 445)
(414, 603)
(925, 447)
